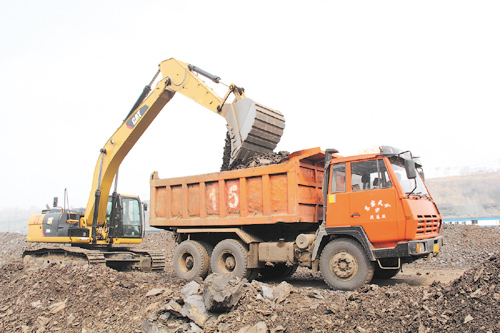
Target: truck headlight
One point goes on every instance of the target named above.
(420, 247)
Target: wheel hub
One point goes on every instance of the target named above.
(344, 265)
(230, 263)
(189, 263)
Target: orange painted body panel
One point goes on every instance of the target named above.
(423, 219)
(288, 192)
(378, 216)
(387, 215)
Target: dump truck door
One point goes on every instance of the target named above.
(337, 206)
(372, 203)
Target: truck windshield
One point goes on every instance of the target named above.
(408, 184)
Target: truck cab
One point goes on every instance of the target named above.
(379, 200)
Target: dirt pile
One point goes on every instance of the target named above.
(254, 161)
(470, 303)
(98, 299)
(464, 247)
(261, 160)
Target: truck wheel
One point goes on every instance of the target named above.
(191, 260)
(344, 265)
(230, 257)
(279, 271)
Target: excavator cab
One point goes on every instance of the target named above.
(125, 217)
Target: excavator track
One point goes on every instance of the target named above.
(63, 255)
(157, 258)
(122, 259)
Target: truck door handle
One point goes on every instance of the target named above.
(355, 215)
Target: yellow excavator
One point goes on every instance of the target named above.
(109, 221)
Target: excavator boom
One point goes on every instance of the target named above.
(253, 128)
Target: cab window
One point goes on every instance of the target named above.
(338, 178)
(368, 175)
(131, 218)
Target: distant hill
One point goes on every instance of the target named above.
(472, 195)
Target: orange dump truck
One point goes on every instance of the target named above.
(351, 218)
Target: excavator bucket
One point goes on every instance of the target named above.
(253, 129)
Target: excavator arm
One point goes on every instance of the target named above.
(252, 127)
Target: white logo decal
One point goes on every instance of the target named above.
(377, 213)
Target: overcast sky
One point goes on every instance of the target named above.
(419, 75)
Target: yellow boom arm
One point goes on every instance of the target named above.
(253, 129)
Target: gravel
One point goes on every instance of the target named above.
(98, 299)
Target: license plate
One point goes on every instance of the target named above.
(436, 248)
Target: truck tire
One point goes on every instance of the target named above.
(230, 257)
(191, 260)
(344, 265)
(279, 271)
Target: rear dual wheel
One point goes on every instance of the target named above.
(230, 257)
(192, 259)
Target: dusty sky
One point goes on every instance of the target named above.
(419, 75)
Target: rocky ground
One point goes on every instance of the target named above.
(457, 291)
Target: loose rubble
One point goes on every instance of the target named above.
(255, 161)
(76, 298)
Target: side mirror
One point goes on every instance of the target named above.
(411, 171)
(145, 207)
(56, 200)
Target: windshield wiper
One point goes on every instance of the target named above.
(416, 185)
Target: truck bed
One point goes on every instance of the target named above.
(289, 192)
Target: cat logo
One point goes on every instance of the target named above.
(134, 119)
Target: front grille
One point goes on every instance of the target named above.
(428, 224)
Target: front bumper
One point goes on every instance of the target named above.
(425, 246)
(415, 248)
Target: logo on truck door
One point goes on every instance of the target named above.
(134, 119)
(376, 209)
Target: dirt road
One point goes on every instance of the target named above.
(458, 291)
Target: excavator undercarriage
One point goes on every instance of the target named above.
(121, 259)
